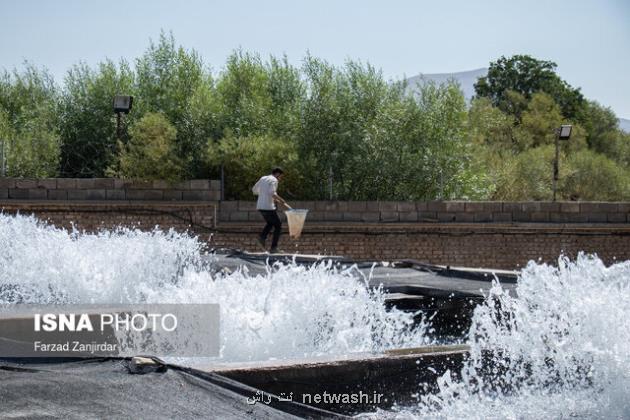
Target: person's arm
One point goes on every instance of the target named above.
(279, 199)
(276, 197)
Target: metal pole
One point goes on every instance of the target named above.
(222, 183)
(330, 183)
(556, 165)
(2, 160)
(118, 126)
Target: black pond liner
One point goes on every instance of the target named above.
(109, 388)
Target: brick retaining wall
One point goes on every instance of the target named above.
(443, 211)
(478, 234)
(108, 189)
(196, 217)
(507, 246)
(498, 235)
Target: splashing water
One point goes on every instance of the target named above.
(561, 349)
(292, 311)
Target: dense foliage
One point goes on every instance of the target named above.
(150, 152)
(29, 136)
(511, 125)
(339, 132)
(525, 75)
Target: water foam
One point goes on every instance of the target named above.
(560, 349)
(291, 311)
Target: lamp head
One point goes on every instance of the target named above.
(123, 103)
(564, 132)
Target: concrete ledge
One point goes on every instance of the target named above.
(397, 375)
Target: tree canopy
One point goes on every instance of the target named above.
(341, 132)
(526, 76)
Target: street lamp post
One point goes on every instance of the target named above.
(122, 105)
(3, 159)
(562, 133)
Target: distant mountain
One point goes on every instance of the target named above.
(467, 80)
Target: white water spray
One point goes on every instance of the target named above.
(291, 311)
(561, 349)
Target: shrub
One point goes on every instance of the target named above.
(526, 176)
(246, 159)
(28, 114)
(594, 176)
(150, 153)
(87, 124)
(33, 152)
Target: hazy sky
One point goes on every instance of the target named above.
(588, 39)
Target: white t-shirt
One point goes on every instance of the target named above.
(265, 188)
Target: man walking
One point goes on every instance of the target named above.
(266, 189)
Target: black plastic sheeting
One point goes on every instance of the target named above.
(403, 276)
(443, 295)
(106, 388)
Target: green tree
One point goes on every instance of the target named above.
(386, 147)
(244, 97)
(371, 140)
(540, 121)
(343, 129)
(595, 177)
(517, 158)
(87, 123)
(322, 139)
(488, 125)
(602, 128)
(34, 151)
(200, 122)
(7, 134)
(287, 92)
(526, 75)
(173, 81)
(442, 141)
(623, 149)
(527, 175)
(360, 100)
(28, 119)
(246, 159)
(494, 142)
(151, 151)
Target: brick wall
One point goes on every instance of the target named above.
(498, 235)
(195, 217)
(108, 189)
(474, 245)
(443, 211)
(478, 234)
